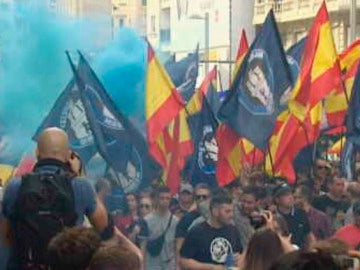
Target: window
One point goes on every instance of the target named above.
(153, 28)
(122, 22)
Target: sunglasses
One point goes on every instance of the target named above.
(147, 206)
(201, 197)
(321, 167)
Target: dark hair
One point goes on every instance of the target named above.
(251, 190)
(331, 180)
(302, 260)
(155, 194)
(115, 257)
(202, 186)
(72, 249)
(220, 196)
(126, 205)
(263, 250)
(101, 184)
(305, 192)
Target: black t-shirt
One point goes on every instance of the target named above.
(299, 226)
(334, 209)
(185, 223)
(210, 245)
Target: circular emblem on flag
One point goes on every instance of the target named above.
(208, 151)
(190, 77)
(257, 85)
(130, 178)
(73, 119)
(103, 115)
(294, 66)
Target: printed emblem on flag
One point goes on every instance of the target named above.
(74, 116)
(107, 119)
(190, 76)
(208, 151)
(130, 178)
(257, 86)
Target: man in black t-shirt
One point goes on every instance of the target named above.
(296, 218)
(202, 197)
(208, 244)
(333, 203)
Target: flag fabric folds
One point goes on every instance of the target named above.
(242, 50)
(120, 144)
(68, 113)
(203, 125)
(319, 75)
(264, 77)
(184, 74)
(162, 104)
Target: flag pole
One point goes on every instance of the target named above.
(271, 159)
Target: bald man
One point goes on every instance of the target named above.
(54, 157)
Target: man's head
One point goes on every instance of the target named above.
(73, 248)
(356, 213)
(53, 143)
(235, 189)
(132, 201)
(353, 189)
(115, 257)
(302, 196)
(162, 198)
(221, 208)
(283, 196)
(321, 169)
(145, 206)
(249, 200)
(336, 186)
(202, 194)
(186, 194)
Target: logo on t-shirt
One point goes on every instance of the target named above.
(219, 249)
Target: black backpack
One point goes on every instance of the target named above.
(44, 206)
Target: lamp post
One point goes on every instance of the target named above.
(207, 38)
(353, 20)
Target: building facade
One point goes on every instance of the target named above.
(294, 18)
(81, 8)
(177, 26)
(129, 13)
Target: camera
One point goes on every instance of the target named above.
(257, 221)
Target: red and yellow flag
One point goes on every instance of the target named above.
(242, 50)
(162, 104)
(319, 75)
(336, 104)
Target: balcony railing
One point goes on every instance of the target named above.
(288, 10)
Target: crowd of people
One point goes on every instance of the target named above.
(54, 218)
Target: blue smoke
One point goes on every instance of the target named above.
(34, 69)
(121, 67)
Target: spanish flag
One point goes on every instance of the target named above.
(320, 71)
(242, 50)
(319, 75)
(162, 104)
(177, 145)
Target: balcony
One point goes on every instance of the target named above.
(165, 3)
(292, 10)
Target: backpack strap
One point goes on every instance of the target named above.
(168, 225)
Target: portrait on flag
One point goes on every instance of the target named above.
(257, 85)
